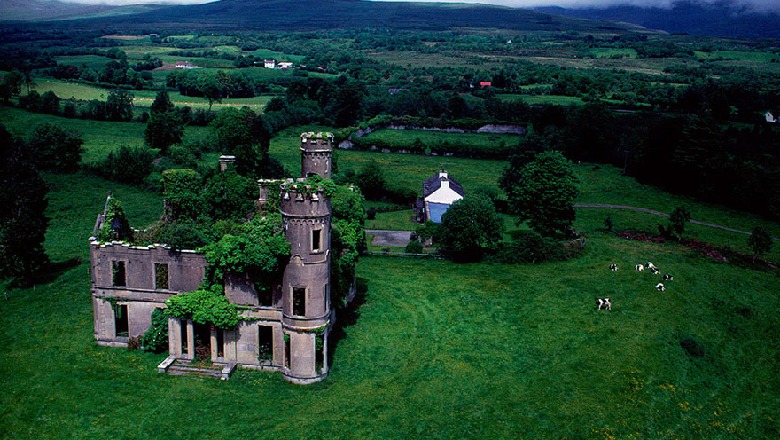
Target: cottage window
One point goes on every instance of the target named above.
(161, 276)
(119, 273)
(299, 301)
(121, 321)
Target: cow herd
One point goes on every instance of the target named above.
(606, 304)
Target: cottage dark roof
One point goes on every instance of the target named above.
(432, 184)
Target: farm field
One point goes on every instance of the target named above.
(489, 350)
(100, 137)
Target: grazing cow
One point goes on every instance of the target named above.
(650, 265)
(654, 271)
(660, 287)
(613, 267)
(639, 268)
(603, 302)
(668, 277)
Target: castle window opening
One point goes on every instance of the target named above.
(265, 343)
(121, 321)
(266, 297)
(316, 240)
(119, 274)
(319, 352)
(287, 351)
(161, 276)
(184, 341)
(220, 337)
(299, 301)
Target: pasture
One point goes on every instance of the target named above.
(435, 349)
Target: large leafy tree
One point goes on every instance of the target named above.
(119, 105)
(165, 126)
(245, 134)
(23, 221)
(56, 149)
(759, 241)
(468, 228)
(543, 193)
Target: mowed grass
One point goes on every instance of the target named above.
(435, 349)
(406, 138)
(543, 99)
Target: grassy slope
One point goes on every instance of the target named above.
(438, 349)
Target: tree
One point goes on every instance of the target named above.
(165, 126)
(468, 228)
(14, 80)
(23, 221)
(371, 181)
(759, 241)
(55, 148)
(677, 220)
(119, 105)
(543, 193)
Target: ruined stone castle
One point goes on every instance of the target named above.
(286, 330)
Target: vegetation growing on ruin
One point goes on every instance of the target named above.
(206, 305)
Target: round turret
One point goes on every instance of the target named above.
(316, 154)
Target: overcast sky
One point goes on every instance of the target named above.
(758, 5)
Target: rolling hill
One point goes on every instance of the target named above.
(685, 17)
(305, 15)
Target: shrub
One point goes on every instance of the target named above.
(414, 247)
(126, 165)
(155, 339)
(531, 247)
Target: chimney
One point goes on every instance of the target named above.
(226, 161)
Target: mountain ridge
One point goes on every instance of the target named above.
(719, 19)
(306, 15)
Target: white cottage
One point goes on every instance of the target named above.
(439, 192)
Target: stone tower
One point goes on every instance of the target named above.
(306, 308)
(316, 154)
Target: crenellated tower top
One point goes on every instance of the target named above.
(316, 154)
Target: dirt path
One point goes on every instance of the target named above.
(659, 213)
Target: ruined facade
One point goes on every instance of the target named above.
(285, 329)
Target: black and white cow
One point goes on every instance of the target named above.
(639, 268)
(603, 303)
(660, 287)
(668, 277)
(613, 267)
(654, 271)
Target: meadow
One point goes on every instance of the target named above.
(431, 349)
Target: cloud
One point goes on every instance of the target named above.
(138, 2)
(747, 5)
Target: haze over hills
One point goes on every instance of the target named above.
(324, 14)
(26, 10)
(724, 18)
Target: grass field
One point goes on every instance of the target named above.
(543, 99)
(99, 137)
(435, 349)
